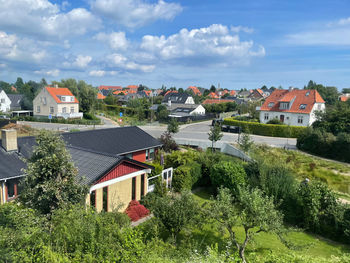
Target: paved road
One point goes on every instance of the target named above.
(200, 131)
(188, 131)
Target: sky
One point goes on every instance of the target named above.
(231, 43)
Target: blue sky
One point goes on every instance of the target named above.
(239, 44)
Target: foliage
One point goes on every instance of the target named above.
(51, 180)
(136, 211)
(215, 135)
(221, 107)
(273, 130)
(175, 211)
(245, 143)
(186, 176)
(168, 142)
(228, 174)
(255, 212)
(178, 158)
(329, 94)
(162, 113)
(275, 121)
(325, 144)
(173, 126)
(111, 100)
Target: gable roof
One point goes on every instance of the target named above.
(216, 101)
(195, 90)
(295, 97)
(10, 164)
(110, 87)
(100, 96)
(15, 100)
(56, 93)
(176, 97)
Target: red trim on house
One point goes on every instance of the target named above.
(139, 156)
(123, 168)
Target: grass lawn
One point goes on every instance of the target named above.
(263, 243)
(335, 174)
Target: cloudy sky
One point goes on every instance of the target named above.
(239, 44)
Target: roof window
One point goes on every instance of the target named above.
(271, 104)
(307, 93)
(302, 106)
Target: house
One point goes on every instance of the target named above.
(195, 90)
(57, 102)
(5, 102)
(256, 94)
(178, 98)
(344, 97)
(186, 110)
(100, 96)
(292, 107)
(16, 100)
(244, 93)
(111, 162)
(213, 95)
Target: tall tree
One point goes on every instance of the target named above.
(215, 135)
(51, 178)
(173, 126)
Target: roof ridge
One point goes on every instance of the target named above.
(92, 151)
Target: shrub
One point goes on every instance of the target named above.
(186, 176)
(228, 174)
(176, 159)
(266, 129)
(275, 121)
(168, 142)
(136, 211)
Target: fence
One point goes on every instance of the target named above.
(167, 176)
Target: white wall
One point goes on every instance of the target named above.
(315, 108)
(289, 118)
(189, 100)
(200, 110)
(5, 102)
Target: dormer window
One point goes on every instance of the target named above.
(284, 105)
(271, 104)
(63, 98)
(302, 106)
(71, 99)
(307, 93)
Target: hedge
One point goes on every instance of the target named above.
(186, 176)
(273, 130)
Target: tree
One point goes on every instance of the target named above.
(246, 142)
(87, 96)
(215, 135)
(162, 113)
(173, 126)
(51, 178)
(175, 212)
(212, 88)
(251, 210)
(19, 84)
(346, 90)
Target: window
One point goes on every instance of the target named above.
(105, 199)
(44, 100)
(142, 185)
(302, 106)
(266, 116)
(307, 93)
(133, 189)
(38, 109)
(71, 109)
(151, 154)
(63, 98)
(284, 105)
(64, 110)
(93, 199)
(51, 109)
(2, 100)
(11, 189)
(300, 119)
(271, 104)
(319, 106)
(71, 99)
(147, 154)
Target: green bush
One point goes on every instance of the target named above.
(186, 176)
(273, 130)
(228, 174)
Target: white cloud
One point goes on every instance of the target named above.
(335, 33)
(136, 13)
(122, 62)
(82, 61)
(101, 73)
(40, 17)
(116, 40)
(213, 44)
(237, 29)
(51, 73)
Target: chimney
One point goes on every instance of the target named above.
(56, 86)
(9, 139)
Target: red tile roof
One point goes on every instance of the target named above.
(213, 95)
(344, 98)
(117, 92)
(110, 88)
(57, 92)
(215, 101)
(170, 91)
(232, 92)
(100, 96)
(132, 87)
(296, 97)
(148, 92)
(260, 91)
(195, 90)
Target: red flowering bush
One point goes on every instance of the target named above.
(136, 211)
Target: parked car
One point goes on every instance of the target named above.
(4, 117)
(217, 121)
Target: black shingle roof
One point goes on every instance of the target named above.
(93, 152)
(115, 141)
(176, 97)
(15, 100)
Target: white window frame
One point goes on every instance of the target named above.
(300, 119)
(71, 98)
(52, 109)
(38, 109)
(64, 110)
(71, 109)
(63, 98)
(270, 105)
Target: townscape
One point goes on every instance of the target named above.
(96, 170)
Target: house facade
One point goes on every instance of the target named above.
(57, 102)
(111, 162)
(292, 107)
(5, 102)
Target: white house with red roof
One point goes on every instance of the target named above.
(57, 102)
(292, 107)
